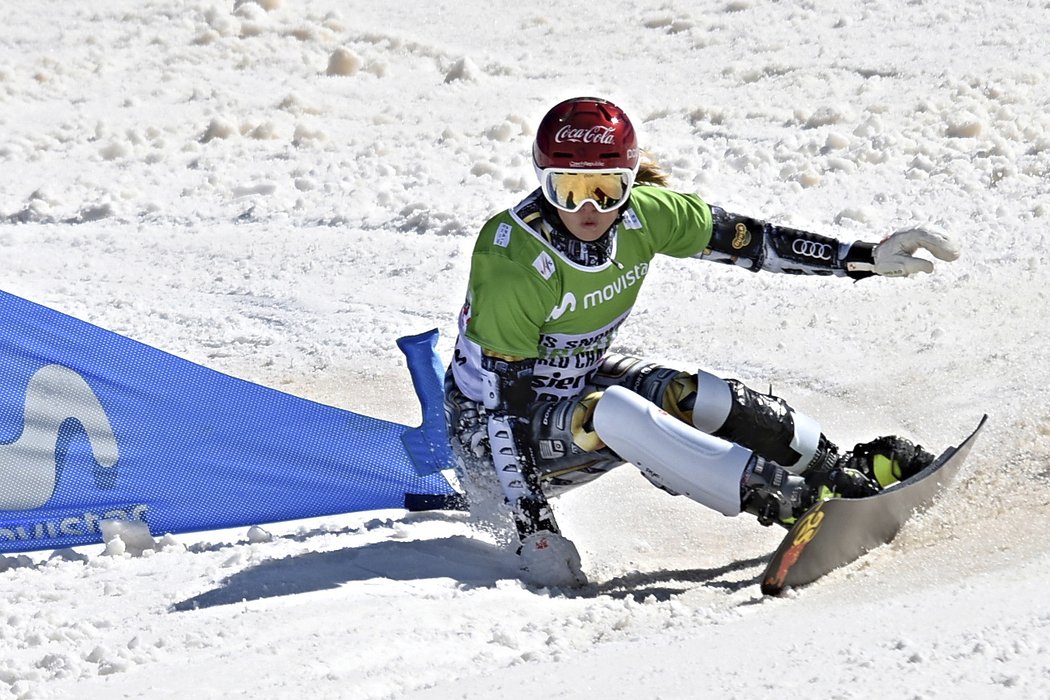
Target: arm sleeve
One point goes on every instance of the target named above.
(679, 224)
(509, 303)
(758, 245)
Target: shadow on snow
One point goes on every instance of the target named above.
(663, 585)
(470, 562)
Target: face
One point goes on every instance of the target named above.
(588, 224)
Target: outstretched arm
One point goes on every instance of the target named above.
(760, 245)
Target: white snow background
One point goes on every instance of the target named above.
(279, 189)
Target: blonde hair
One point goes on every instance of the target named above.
(650, 173)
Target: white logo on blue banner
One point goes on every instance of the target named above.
(29, 466)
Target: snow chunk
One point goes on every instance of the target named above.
(257, 535)
(130, 537)
(835, 142)
(967, 129)
(252, 29)
(254, 20)
(670, 23)
(222, 24)
(808, 178)
(857, 214)
(334, 21)
(484, 168)
(305, 134)
(20, 561)
(169, 542)
(219, 128)
(344, 62)
(206, 37)
(842, 165)
(826, 116)
(464, 69)
(921, 162)
(240, 6)
(68, 554)
(308, 33)
(378, 68)
(115, 151)
(248, 10)
(94, 213)
(297, 105)
(264, 131)
(507, 131)
(261, 188)
(268, 5)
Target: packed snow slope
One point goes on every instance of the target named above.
(277, 190)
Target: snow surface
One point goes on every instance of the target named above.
(278, 189)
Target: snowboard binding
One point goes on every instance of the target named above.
(775, 495)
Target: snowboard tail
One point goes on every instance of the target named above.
(835, 532)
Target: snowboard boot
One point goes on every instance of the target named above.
(887, 460)
(775, 495)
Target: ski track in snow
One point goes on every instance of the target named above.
(279, 189)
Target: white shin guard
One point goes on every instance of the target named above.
(671, 454)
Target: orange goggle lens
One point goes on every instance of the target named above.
(570, 190)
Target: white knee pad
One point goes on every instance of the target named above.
(670, 453)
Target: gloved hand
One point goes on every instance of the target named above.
(893, 256)
(550, 560)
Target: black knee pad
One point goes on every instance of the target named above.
(560, 432)
(649, 380)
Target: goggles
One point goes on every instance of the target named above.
(570, 188)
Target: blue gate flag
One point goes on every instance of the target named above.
(95, 426)
(428, 444)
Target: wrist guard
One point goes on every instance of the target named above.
(758, 245)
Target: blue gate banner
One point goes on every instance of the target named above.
(428, 444)
(95, 426)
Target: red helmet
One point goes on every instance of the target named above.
(585, 133)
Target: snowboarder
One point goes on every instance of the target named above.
(535, 394)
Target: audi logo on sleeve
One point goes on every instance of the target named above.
(811, 249)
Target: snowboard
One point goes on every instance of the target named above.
(837, 531)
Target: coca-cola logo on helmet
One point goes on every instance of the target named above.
(603, 135)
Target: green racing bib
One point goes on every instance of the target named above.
(525, 299)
